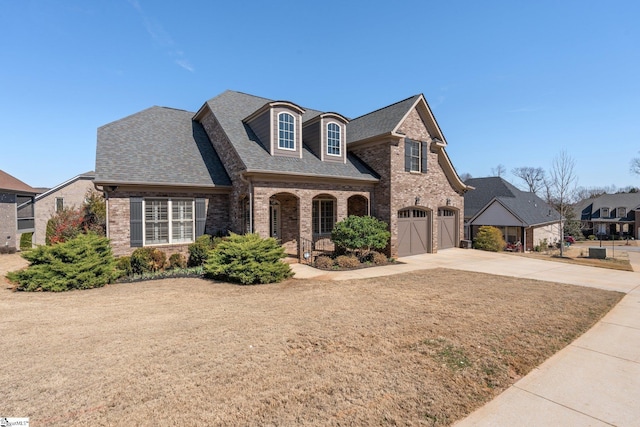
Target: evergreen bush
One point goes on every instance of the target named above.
(489, 239)
(26, 241)
(83, 262)
(123, 264)
(199, 250)
(248, 259)
(360, 234)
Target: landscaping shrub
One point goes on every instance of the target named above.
(177, 261)
(94, 213)
(199, 250)
(379, 258)
(123, 264)
(64, 225)
(145, 260)
(83, 262)
(347, 261)
(489, 239)
(26, 241)
(324, 262)
(7, 249)
(248, 259)
(360, 234)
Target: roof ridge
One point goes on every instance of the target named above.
(384, 108)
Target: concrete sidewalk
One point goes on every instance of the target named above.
(595, 381)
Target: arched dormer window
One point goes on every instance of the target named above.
(333, 139)
(286, 132)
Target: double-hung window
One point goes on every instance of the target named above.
(324, 218)
(333, 139)
(168, 221)
(415, 156)
(286, 132)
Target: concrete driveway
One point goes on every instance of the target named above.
(595, 381)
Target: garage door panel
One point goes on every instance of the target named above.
(414, 234)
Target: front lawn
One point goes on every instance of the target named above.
(423, 348)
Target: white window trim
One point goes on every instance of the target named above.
(339, 139)
(169, 219)
(295, 143)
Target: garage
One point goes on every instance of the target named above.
(414, 232)
(446, 228)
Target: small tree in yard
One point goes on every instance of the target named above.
(360, 235)
(248, 259)
(489, 239)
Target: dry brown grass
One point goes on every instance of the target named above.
(579, 254)
(424, 348)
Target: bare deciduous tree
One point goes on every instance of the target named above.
(465, 176)
(498, 170)
(563, 183)
(635, 165)
(533, 177)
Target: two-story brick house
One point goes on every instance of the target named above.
(243, 163)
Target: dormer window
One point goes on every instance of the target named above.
(333, 139)
(605, 212)
(622, 212)
(286, 132)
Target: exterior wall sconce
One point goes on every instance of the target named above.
(417, 201)
(448, 202)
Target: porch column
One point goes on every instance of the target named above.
(342, 210)
(305, 224)
(260, 214)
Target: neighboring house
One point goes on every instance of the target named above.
(17, 215)
(521, 216)
(610, 215)
(248, 164)
(69, 194)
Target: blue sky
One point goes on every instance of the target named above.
(510, 82)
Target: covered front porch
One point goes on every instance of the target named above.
(302, 220)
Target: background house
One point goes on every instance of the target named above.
(68, 194)
(610, 215)
(521, 216)
(17, 214)
(244, 163)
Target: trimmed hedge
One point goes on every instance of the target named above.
(81, 263)
(489, 239)
(248, 259)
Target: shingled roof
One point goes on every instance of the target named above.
(231, 108)
(589, 209)
(526, 206)
(9, 183)
(379, 122)
(158, 146)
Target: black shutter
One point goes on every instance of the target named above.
(201, 216)
(423, 157)
(135, 221)
(407, 155)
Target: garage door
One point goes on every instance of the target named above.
(414, 233)
(446, 228)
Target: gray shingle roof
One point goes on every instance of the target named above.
(230, 108)
(528, 207)
(379, 122)
(158, 146)
(589, 209)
